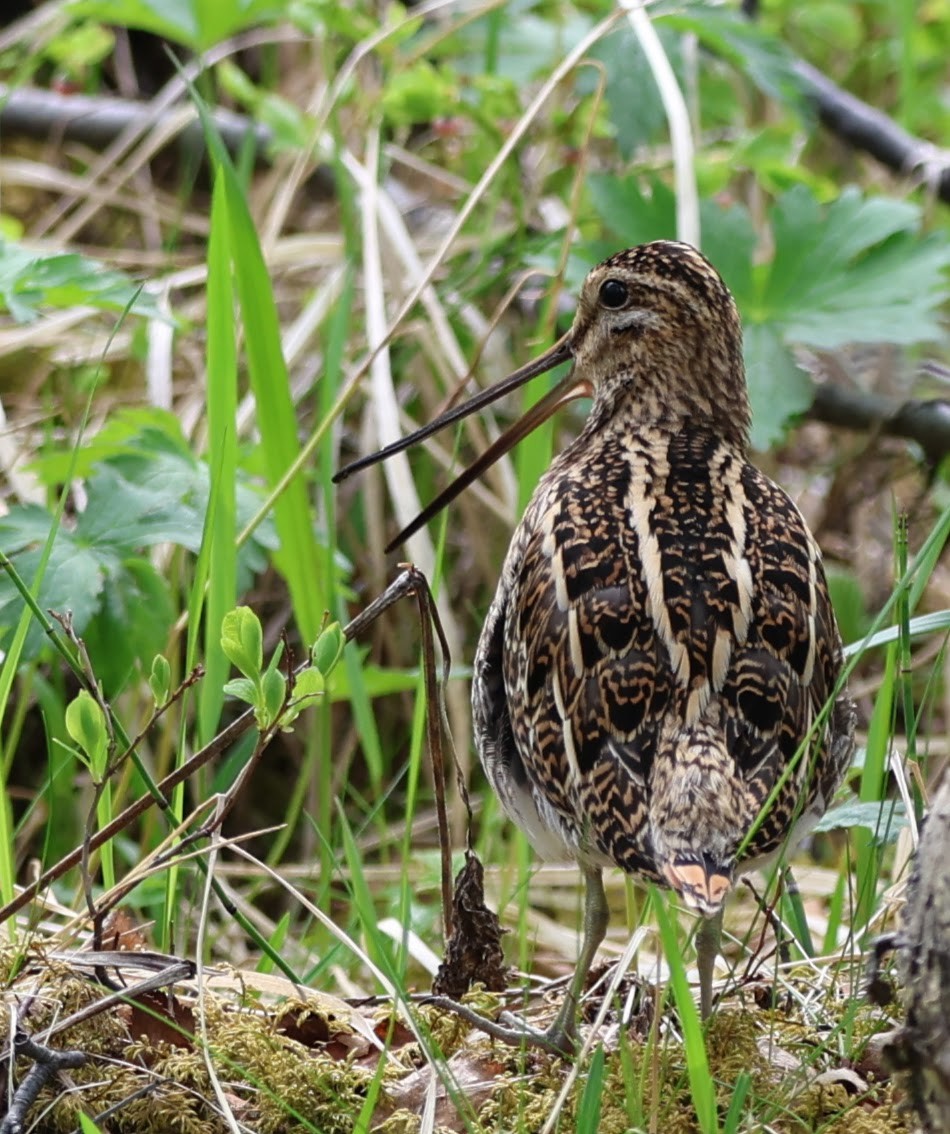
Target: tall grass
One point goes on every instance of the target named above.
(284, 323)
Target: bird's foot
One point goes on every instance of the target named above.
(512, 1029)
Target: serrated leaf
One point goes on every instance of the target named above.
(30, 281)
(885, 819)
(127, 516)
(747, 46)
(854, 271)
(634, 214)
(198, 24)
(135, 614)
(138, 433)
(778, 387)
(74, 578)
(630, 84)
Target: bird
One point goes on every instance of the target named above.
(658, 683)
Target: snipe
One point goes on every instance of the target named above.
(650, 678)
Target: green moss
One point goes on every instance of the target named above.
(278, 1084)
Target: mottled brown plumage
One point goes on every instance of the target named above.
(661, 643)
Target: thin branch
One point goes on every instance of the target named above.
(47, 1064)
(869, 129)
(925, 422)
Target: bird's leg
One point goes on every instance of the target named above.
(562, 1034)
(708, 938)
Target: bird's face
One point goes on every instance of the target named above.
(661, 309)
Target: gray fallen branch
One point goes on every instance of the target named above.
(925, 422)
(871, 130)
(97, 120)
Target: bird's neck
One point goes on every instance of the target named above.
(648, 421)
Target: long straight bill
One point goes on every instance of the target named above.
(564, 392)
(560, 352)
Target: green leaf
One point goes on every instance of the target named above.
(328, 649)
(634, 214)
(74, 578)
(86, 724)
(528, 44)
(588, 1109)
(31, 281)
(274, 690)
(729, 36)
(244, 689)
(242, 641)
(127, 516)
(418, 94)
(630, 83)
(885, 819)
(778, 387)
(308, 684)
(140, 432)
(87, 1126)
(697, 1064)
(847, 599)
(300, 559)
(854, 271)
(198, 24)
(135, 614)
(160, 680)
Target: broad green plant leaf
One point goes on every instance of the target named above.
(143, 490)
(32, 281)
(730, 36)
(857, 270)
(885, 819)
(328, 649)
(778, 387)
(198, 24)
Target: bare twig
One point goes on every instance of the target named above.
(47, 1064)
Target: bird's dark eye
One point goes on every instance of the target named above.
(613, 293)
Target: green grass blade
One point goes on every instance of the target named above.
(299, 558)
(221, 530)
(697, 1065)
(588, 1109)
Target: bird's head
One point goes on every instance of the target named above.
(658, 332)
(656, 336)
